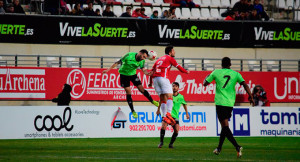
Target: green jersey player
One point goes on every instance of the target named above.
(226, 80)
(129, 63)
(178, 100)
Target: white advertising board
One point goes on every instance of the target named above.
(24, 122)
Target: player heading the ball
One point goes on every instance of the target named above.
(129, 63)
(160, 74)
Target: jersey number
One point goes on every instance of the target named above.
(228, 78)
(158, 65)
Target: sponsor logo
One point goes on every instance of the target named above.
(22, 83)
(150, 117)
(57, 123)
(94, 31)
(118, 119)
(193, 87)
(275, 118)
(239, 122)
(76, 80)
(286, 35)
(288, 87)
(192, 33)
(180, 82)
(14, 29)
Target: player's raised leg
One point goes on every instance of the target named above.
(147, 95)
(130, 102)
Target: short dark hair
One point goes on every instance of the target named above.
(155, 11)
(176, 83)
(226, 62)
(168, 49)
(128, 7)
(144, 51)
(172, 8)
(143, 9)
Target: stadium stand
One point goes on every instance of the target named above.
(282, 10)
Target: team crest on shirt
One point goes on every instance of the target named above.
(137, 79)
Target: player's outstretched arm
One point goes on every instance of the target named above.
(249, 92)
(186, 111)
(112, 66)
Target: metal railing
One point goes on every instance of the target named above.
(203, 64)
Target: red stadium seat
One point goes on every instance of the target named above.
(112, 2)
(143, 3)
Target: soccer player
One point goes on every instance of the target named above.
(178, 100)
(226, 80)
(160, 74)
(130, 62)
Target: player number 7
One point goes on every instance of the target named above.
(228, 78)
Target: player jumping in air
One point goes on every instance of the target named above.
(226, 80)
(178, 100)
(162, 86)
(130, 62)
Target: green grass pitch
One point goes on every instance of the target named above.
(137, 149)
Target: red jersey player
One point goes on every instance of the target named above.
(162, 85)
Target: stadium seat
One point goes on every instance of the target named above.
(178, 12)
(297, 3)
(113, 2)
(253, 66)
(225, 3)
(215, 3)
(186, 13)
(72, 63)
(69, 7)
(3, 62)
(281, 3)
(52, 62)
(161, 2)
(142, 2)
(117, 10)
(197, 2)
(297, 15)
(195, 13)
(148, 11)
(171, 3)
(189, 66)
(205, 14)
(214, 12)
(149, 2)
(290, 4)
(131, 2)
(97, 7)
(84, 6)
(158, 10)
(222, 10)
(208, 65)
(272, 66)
(233, 2)
(205, 3)
(135, 7)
